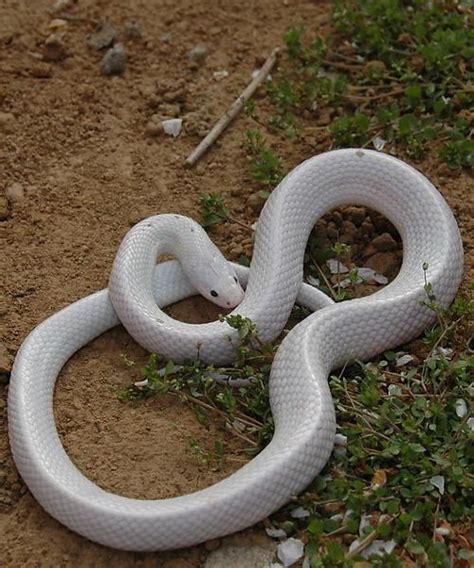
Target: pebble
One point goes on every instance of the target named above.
(54, 48)
(57, 24)
(102, 38)
(332, 233)
(385, 242)
(290, 551)
(114, 61)
(15, 192)
(356, 214)
(336, 216)
(4, 208)
(172, 127)
(133, 29)
(336, 267)
(7, 122)
(385, 263)
(348, 232)
(199, 53)
(366, 227)
(6, 360)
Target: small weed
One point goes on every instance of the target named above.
(213, 209)
(265, 166)
(211, 458)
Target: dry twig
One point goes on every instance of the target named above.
(233, 111)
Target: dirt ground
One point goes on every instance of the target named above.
(76, 141)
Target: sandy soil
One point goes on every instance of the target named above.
(76, 143)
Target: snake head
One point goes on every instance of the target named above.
(218, 282)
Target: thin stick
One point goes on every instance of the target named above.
(233, 111)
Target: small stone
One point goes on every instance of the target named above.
(382, 224)
(337, 218)
(114, 61)
(272, 532)
(6, 360)
(198, 54)
(7, 122)
(403, 360)
(385, 242)
(356, 214)
(219, 75)
(380, 279)
(438, 482)
(290, 551)
(102, 38)
(460, 407)
(336, 267)
(379, 143)
(15, 192)
(54, 48)
(57, 24)
(172, 126)
(133, 29)
(4, 208)
(385, 263)
(166, 38)
(332, 233)
(300, 513)
(348, 232)
(366, 227)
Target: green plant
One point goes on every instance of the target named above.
(213, 209)
(265, 166)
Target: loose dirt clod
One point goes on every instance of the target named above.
(15, 192)
(102, 38)
(7, 122)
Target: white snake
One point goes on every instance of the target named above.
(300, 398)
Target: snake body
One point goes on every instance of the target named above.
(299, 394)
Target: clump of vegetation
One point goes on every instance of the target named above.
(213, 209)
(265, 166)
(392, 71)
(403, 474)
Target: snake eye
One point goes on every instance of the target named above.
(214, 294)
